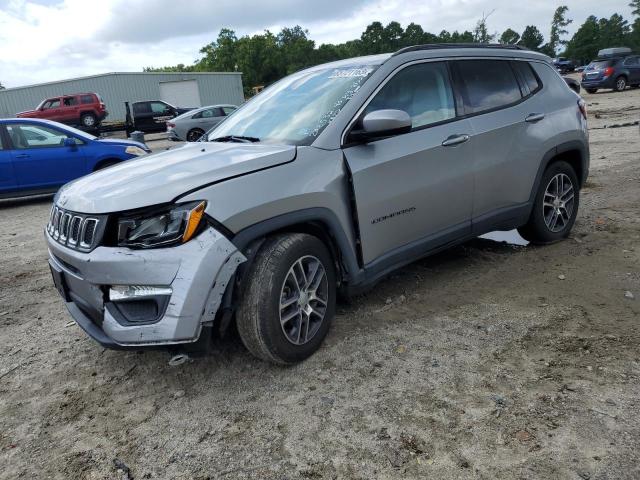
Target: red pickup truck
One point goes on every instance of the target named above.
(84, 109)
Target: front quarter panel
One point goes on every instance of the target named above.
(315, 179)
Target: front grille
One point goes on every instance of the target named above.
(75, 230)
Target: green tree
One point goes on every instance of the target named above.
(373, 39)
(531, 38)
(558, 29)
(585, 43)
(414, 35)
(464, 37)
(635, 4)
(297, 51)
(509, 37)
(613, 31)
(392, 36)
(481, 32)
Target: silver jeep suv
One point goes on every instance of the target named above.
(322, 184)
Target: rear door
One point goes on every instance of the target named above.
(70, 110)
(40, 158)
(632, 64)
(504, 120)
(413, 192)
(7, 175)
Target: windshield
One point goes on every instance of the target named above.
(296, 109)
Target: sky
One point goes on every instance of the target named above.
(47, 40)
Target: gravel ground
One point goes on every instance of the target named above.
(487, 361)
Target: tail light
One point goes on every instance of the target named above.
(608, 71)
(582, 106)
(102, 105)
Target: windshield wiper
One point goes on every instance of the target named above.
(236, 138)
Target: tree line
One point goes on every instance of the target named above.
(267, 57)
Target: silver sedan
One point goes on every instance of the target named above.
(191, 126)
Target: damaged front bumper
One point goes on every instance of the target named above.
(126, 298)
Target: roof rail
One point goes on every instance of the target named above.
(436, 46)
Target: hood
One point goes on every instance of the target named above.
(161, 177)
(122, 143)
(27, 113)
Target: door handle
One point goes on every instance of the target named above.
(455, 140)
(23, 155)
(534, 117)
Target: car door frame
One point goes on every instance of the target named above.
(10, 186)
(427, 244)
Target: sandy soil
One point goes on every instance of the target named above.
(487, 361)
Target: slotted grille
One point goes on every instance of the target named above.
(74, 230)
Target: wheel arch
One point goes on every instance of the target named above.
(575, 153)
(319, 222)
(103, 162)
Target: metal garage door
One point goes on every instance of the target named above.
(184, 93)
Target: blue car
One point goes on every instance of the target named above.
(39, 156)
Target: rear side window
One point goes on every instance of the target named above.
(228, 110)
(86, 99)
(487, 84)
(600, 65)
(632, 61)
(139, 108)
(527, 75)
(69, 101)
(422, 90)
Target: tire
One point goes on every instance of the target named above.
(89, 120)
(591, 90)
(621, 83)
(270, 279)
(541, 229)
(194, 134)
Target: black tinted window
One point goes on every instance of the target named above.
(487, 84)
(600, 64)
(86, 99)
(139, 108)
(423, 91)
(632, 61)
(528, 77)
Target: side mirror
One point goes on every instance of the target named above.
(70, 142)
(383, 123)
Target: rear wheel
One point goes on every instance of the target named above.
(194, 135)
(555, 206)
(621, 83)
(591, 90)
(88, 120)
(289, 299)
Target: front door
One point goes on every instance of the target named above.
(41, 160)
(414, 191)
(51, 109)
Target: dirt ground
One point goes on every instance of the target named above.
(487, 361)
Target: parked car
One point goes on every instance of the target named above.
(564, 65)
(616, 72)
(151, 116)
(38, 156)
(192, 125)
(327, 181)
(83, 109)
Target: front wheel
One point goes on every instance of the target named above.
(555, 206)
(621, 84)
(288, 301)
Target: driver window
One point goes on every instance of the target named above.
(157, 107)
(52, 104)
(25, 136)
(422, 90)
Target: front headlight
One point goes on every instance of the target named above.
(167, 226)
(133, 150)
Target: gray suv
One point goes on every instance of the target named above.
(322, 184)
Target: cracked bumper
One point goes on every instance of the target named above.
(197, 273)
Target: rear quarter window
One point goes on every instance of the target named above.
(527, 75)
(86, 99)
(487, 84)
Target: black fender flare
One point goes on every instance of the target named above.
(554, 152)
(328, 219)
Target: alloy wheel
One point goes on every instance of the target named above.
(303, 300)
(621, 83)
(558, 203)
